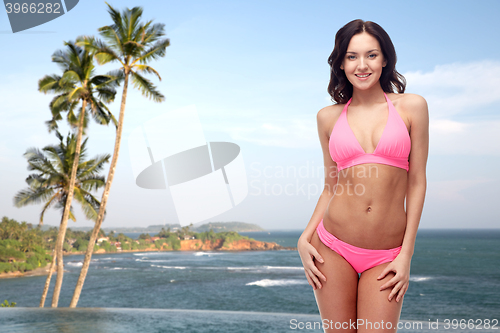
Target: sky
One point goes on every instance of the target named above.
(257, 73)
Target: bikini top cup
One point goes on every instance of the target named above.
(392, 149)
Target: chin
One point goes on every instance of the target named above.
(363, 87)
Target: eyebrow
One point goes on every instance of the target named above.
(366, 51)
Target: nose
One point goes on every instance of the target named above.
(362, 64)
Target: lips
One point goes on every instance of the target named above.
(363, 75)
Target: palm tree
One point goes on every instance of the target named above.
(133, 44)
(78, 83)
(54, 166)
(9, 229)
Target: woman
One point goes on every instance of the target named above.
(357, 248)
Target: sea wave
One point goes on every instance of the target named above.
(110, 258)
(76, 264)
(276, 283)
(156, 260)
(231, 268)
(206, 253)
(420, 278)
(285, 267)
(266, 268)
(174, 267)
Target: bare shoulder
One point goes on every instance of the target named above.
(412, 103)
(327, 117)
(329, 113)
(412, 107)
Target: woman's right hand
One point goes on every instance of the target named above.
(307, 252)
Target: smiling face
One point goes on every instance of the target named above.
(363, 61)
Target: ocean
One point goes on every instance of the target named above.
(455, 275)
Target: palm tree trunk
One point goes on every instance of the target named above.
(104, 200)
(49, 277)
(47, 281)
(64, 223)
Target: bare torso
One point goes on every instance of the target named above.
(367, 209)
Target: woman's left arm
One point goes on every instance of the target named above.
(416, 107)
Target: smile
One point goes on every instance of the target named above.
(363, 75)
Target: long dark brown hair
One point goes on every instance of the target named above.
(339, 87)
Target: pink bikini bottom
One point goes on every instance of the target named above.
(359, 258)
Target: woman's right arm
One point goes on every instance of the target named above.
(306, 251)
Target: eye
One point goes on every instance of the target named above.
(350, 57)
(372, 56)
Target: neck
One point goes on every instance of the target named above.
(368, 97)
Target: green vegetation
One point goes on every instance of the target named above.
(230, 237)
(185, 233)
(6, 304)
(24, 247)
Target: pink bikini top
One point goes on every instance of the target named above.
(392, 149)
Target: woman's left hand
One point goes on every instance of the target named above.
(401, 267)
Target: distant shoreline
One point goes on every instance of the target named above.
(45, 270)
(154, 229)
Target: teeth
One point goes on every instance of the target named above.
(362, 75)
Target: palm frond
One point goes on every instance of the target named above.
(47, 205)
(59, 136)
(112, 117)
(115, 77)
(61, 58)
(147, 69)
(116, 17)
(110, 80)
(133, 49)
(134, 16)
(77, 93)
(57, 163)
(112, 38)
(59, 104)
(93, 183)
(71, 214)
(146, 87)
(74, 54)
(154, 32)
(95, 167)
(50, 83)
(106, 95)
(37, 161)
(35, 180)
(89, 43)
(70, 76)
(51, 124)
(32, 196)
(99, 111)
(156, 51)
(89, 204)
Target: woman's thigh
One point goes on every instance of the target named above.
(374, 308)
(337, 297)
